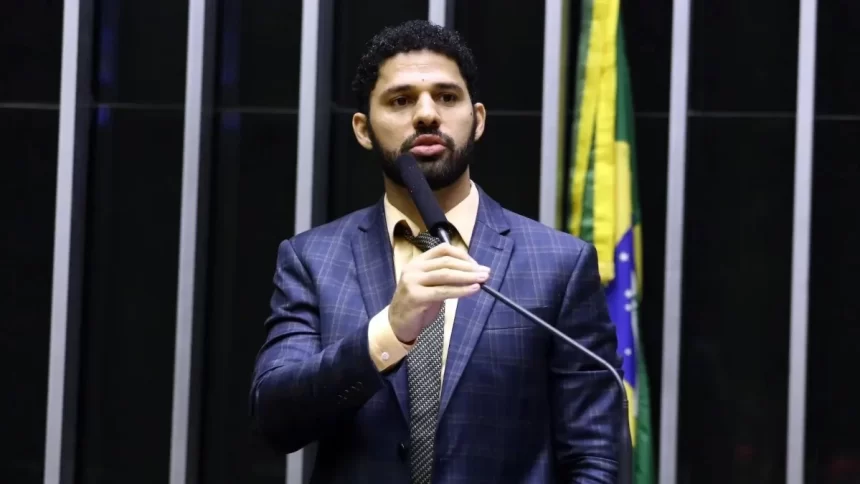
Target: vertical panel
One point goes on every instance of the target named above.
(31, 34)
(741, 63)
(354, 176)
(27, 209)
(648, 28)
(735, 307)
(132, 232)
(141, 52)
(737, 273)
(31, 41)
(838, 23)
(252, 171)
(130, 307)
(678, 97)
(832, 454)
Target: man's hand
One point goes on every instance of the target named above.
(443, 272)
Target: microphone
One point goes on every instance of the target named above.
(429, 209)
(437, 224)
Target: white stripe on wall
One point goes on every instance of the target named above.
(674, 241)
(62, 244)
(804, 135)
(551, 111)
(187, 243)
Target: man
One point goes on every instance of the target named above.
(381, 346)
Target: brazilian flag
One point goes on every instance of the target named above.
(602, 203)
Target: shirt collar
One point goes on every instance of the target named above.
(462, 216)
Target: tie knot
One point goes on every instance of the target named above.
(424, 240)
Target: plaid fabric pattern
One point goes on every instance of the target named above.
(516, 404)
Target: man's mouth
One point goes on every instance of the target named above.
(428, 145)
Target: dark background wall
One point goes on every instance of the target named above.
(131, 240)
(832, 423)
(738, 226)
(30, 50)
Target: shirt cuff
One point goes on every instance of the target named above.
(385, 349)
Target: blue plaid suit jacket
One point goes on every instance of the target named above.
(517, 406)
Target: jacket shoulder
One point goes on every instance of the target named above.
(531, 232)
(330, 235)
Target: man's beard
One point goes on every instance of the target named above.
(441, 170)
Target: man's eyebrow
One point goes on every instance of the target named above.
(401, 88)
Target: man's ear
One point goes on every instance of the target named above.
(359, 127)
(480, 120)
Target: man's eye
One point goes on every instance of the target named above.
(448, 98)
(399, 101)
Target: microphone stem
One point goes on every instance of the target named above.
(516, 307)
(624, 464)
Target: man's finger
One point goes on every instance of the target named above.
(452, 277)
(450, 262)
(444, 249)
(441, 293)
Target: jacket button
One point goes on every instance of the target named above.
(403, 451)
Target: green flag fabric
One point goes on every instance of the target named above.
(603, 200)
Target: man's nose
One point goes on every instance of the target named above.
(426, 114)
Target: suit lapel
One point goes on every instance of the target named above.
(373, 262)
(489, 247)
(374, 267)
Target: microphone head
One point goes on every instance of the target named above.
(429, 209)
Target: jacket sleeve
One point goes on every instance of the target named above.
(586, 401)
(302, 391)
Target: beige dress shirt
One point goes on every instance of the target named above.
(385, 349)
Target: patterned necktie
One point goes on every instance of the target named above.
(424, 369)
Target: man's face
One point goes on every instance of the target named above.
(421, 104)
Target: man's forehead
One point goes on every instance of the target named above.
(419, 67)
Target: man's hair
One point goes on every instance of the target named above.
(414, 35)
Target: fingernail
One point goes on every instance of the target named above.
(483, 268)
(483, 276)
